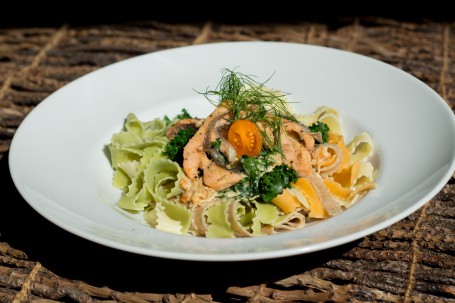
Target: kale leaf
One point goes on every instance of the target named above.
(272, 183)
(174, 148)
(263, 183)
(254, 168)
(322, 128)
(183, 115)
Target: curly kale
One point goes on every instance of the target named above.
(259, 182)
(254, 168)
(322, 128)
(183, 115)
(174, 148)
(274, 182)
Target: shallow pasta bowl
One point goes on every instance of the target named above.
(59, 164)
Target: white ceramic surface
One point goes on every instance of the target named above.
(58, 162)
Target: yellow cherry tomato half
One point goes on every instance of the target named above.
(244, 135)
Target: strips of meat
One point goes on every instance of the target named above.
(218, 130)
(193, 153)
(219, 178)
(301, 133)
(296, 155)
(195, 157)
(296, 143)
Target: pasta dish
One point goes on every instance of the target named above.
(252, 167)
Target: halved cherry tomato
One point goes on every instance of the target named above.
(244, 135)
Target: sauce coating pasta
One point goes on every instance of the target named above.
(250, 168)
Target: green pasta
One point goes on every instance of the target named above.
(169, 216)
(219, 224)
(143, 174)
(162, 178)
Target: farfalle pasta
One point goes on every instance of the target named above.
(251, 168)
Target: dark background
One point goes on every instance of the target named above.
(47, 13)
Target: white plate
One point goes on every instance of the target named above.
(58, 162)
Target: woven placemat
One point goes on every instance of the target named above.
(411, 261)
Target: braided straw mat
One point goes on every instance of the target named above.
(411, 261)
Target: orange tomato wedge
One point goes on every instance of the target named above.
(244, 135)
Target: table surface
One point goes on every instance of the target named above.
(413, 260)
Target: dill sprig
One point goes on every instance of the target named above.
(252, 100)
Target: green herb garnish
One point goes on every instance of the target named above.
(174, 148)
(274, 182)
(254, 168)
(263, 183)
(250, 100)
(322, 128)
(183, 115)
(216, 144)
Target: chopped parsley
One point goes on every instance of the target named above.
(174, 148)
(216, 144)
(183, 115)
(263, 183)
(274, 182)
(322, 128)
